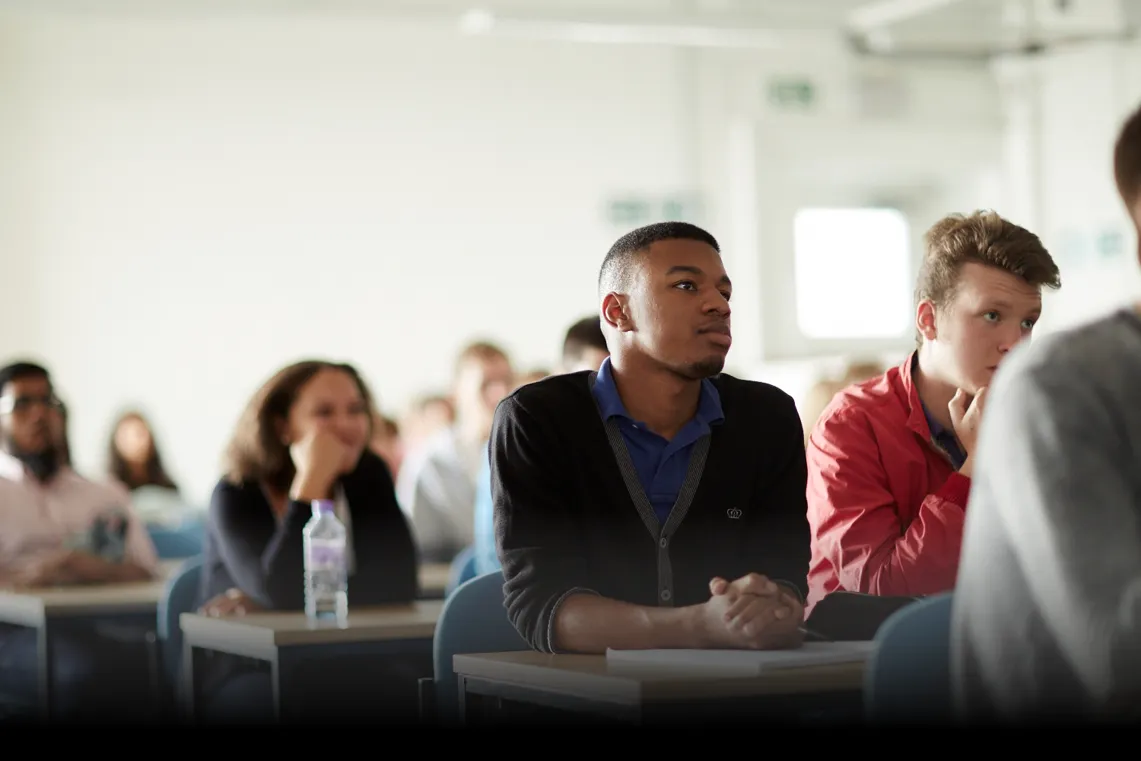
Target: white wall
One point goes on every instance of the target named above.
(923, 136)
(1064, 113)
(199, 202)
(18, 333)
(929, 143)
(211, 200)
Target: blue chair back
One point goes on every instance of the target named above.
(463, 570)
(179, 597)
(473, 620)
(908, 678)
(182, 542)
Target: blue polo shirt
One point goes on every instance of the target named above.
(661, 465)
(945, 438)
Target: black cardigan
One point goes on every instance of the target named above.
(247, 548)
(566, 518)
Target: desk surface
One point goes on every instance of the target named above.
(592, 677)
(258, 635)
(31, 607)
(434, 577)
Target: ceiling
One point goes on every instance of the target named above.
(939, 28)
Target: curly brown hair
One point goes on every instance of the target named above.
(256, 452)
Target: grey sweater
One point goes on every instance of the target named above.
(1047, 616)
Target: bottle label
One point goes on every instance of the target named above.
(325, 557)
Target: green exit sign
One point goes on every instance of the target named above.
(637, 210)
(792, 93)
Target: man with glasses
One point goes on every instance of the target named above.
(56, 528)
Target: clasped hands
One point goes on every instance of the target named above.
(752, 613)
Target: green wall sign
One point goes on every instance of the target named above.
(635, 211)
(797, 93)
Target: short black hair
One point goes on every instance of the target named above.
(583, 335)
(20, 370)
(615, 271)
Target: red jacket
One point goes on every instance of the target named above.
(885, 504)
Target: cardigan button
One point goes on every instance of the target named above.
(666, 595)
(664, 542)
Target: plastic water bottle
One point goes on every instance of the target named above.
(326, 572)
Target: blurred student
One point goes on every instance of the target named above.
(59, 528)
(437, 484)
(134, 461)
(133, 455)
(427, 416)
(303, 437)
(387, 442)
(1047, 612)
(584, 346)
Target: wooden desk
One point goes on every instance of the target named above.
(283, 639)
(495, 686)
(45, 610)
(34, 608)
(434, 579)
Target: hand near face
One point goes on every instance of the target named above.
(966, 417)
(753, 613)
(326, 430)
(321, 457)
(232, 602)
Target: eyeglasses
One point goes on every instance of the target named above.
(19, 405)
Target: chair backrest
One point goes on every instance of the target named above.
(473, 620)
(462, 570)
(908, 678)
(179, 597)
(182, 542)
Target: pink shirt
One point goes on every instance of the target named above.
(36, 518)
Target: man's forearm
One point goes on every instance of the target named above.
(92, 569)
(592, 624)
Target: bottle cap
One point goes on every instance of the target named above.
(323, 506)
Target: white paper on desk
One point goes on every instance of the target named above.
(747, 662)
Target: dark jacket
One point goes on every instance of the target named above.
(248, 549)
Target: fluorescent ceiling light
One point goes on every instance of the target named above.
(480, 21)
(886, 12)
(477, 21)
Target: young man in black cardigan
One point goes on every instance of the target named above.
(656, 503)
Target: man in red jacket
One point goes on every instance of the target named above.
(889, 460)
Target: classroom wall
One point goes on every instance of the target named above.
(200, 201)
(213, 200)
(923, 136)
(1060, 112)
(18, 333)
(1064, 111)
